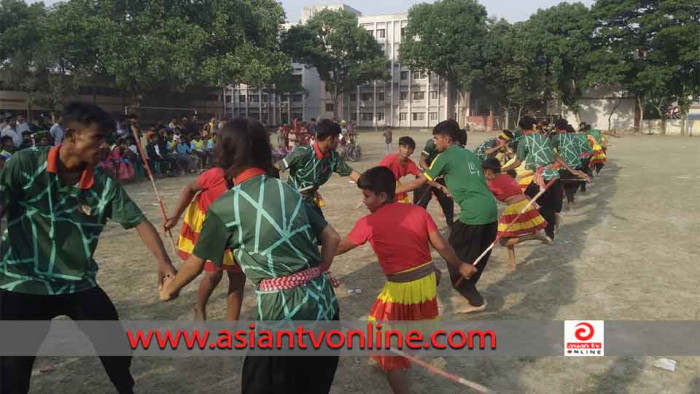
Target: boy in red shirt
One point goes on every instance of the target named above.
(196, 198)
(400, 235)
(401, 165)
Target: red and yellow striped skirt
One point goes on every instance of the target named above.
(189, 233)
(529, 222)
(414, 300)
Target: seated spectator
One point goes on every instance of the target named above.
(160, 165)
(27, 141)
(124, 168)
(199, 147)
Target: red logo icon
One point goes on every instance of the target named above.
(584, 331)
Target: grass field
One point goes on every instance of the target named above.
(628, 252)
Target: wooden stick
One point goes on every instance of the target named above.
(437, 371)
(498, 237)
(144, 160)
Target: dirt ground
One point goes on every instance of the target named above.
(628, 252)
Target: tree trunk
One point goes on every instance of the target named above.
(640, 127)
(463, 100)
(613, 112)
(520, 112)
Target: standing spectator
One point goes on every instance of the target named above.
(312, 128)
(7, 147)
(57, 131)
(22, 125)
(11, 131)
(27, 141)
(388, 138)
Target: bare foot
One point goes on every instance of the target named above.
(199, 315)
(462, 306)
(544, 238)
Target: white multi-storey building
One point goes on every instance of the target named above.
(407, 99)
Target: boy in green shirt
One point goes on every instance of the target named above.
(477, 225)
(50, 271)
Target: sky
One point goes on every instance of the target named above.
(511, 10)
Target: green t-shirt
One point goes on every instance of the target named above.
(597, 134)
(480, 150)
(308, 167)
(567, 146)
(272, 233)
(430, 152)
(53, 229)
(583, 147)
(536, 151)
(466, 182)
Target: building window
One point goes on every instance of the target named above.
(403, 115)
(380, 96)
(434, 95)
(367, 116)
(380, 116)
(329, 107)
(403, 96)
(228, 98)
(366, 96)
(404, 75)
(296, 98)
(241, 98)
(266, 98)
(353, 116)
(419, 95)
(381, 33)
(254, 99)
(297, 116)
(433, 116)
(403, 31)
(418, 115)
(353, 97)
(418, 75)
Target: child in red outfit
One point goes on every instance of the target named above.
(401, 165)
(401, 236)
(529, 224)
(196, 198)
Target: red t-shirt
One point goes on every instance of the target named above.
(398, 234)
(504, 186)
(400, 170)
(213, 184)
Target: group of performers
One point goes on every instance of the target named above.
(241, 218)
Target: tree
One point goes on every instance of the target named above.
(22, 60)
(446, 38)
(651, 47)
(513, 76)
(344, 54)
(561, 35)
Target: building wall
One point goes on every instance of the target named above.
(596, 106)
(407, 100)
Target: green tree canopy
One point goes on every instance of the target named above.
(344, 54)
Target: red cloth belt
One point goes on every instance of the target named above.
(295, 280)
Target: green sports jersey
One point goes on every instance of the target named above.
(480, 150)
(536, 151)
(597, 134)
(583, 147)
(272, 233)
(308, 167)
(430, 152)
(53, 229)
(466, 182)
(567, 146)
